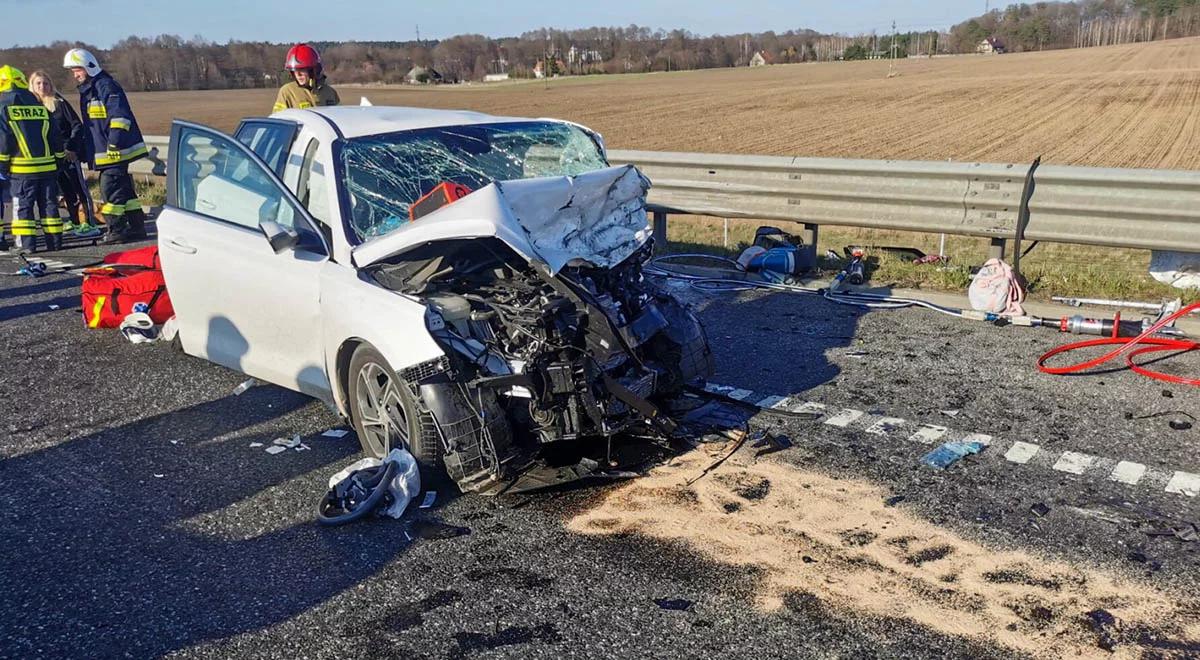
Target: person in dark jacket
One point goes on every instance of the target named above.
(71, 183)
(30, 148)
(112, 140)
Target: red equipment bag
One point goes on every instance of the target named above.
(127, 278)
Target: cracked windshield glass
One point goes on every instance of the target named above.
(385, 174)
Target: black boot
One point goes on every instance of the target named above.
(118, 231)
(137, 225)
(54, 241)
(4, 244)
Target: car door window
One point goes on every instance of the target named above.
(269, 139)
(219, 178)
(312, 185)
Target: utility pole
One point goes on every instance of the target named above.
(892, 66)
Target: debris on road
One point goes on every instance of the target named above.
(244, 386)
(950, 453)
(335, 433)
(275, 449)
(1180, 424)
(951, 413)
(674, 604)
(1040, 510)
(255, 444)
(1104, 624)
(288, 443)
(430, 498)
(742, 435)
(370, 485)
(894, 500)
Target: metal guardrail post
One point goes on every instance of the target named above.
(998, 248)
(809, 235)
(660, 231)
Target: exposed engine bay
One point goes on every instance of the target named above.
(566, 356)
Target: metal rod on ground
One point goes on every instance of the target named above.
(1102, 302)
(942, 246)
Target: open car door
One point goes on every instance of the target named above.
(242, 261)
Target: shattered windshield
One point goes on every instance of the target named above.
(385, 174)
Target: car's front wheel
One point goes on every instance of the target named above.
(385, 411)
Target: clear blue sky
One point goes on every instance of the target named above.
(101, 22)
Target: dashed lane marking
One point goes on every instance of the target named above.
(1128, 473)
(929, 434)
(1074, 463)
(1184, 483)
(885, 426)
(1020, 453)
(845, 418)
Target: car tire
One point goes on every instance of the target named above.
(387, 414)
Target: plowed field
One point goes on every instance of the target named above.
(1120, 106)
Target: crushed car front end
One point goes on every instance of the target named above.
(534, 290)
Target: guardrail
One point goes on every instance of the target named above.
(1146, 209)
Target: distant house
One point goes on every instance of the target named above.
(991, 46)
(420, 75)
(539, 69)
(762, 58)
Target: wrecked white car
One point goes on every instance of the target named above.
(467, 286)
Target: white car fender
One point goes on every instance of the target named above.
(354, 310)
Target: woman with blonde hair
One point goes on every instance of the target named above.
(70, 175)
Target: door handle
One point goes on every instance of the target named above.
(181, 247)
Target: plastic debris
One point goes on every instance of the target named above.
(951, 413)
(430, 498)
(287, 443)
(302, 447)
(674, 604)
(1180, 424)
(950, 453)
(335, 433)
(55, 307)
(255, 444)
(245, 385)
(275, 449)
(1040, 510)
(159, 476)
(402, 488)
(857, 354)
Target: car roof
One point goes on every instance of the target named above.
(359, 120)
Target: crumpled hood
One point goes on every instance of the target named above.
(596, 218)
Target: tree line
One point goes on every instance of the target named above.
(1083, 23)
(168, 62)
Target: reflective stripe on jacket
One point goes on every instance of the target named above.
(109, 121)
(30, 144)
(292, 95)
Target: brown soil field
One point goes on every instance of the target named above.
(1121, 106)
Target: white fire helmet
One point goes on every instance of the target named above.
(80, 58)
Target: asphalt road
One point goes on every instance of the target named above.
(139, 521)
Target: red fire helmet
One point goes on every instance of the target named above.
(303, 56)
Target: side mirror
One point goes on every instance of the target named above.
(280, 238)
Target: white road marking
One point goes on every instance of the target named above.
(845, 418)
(1185, 483)
(929, 434)
(1128, 473)
(1074, 463)
(811, 407)
(770, 401)
(1021, 452)
(885, 426)
(982, 438)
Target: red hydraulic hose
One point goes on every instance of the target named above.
(1147, 343)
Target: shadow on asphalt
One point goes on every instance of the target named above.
(777, 343)
(96, 548)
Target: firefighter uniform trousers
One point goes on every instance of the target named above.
(35, 199)
(119, 198)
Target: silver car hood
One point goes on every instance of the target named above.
(597, 218)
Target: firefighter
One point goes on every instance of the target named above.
(308, 87)
(111, 142)
(71, 183)
(30, 149)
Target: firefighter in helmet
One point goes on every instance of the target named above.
(30, 148)
(308, 87)
(112, 140)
